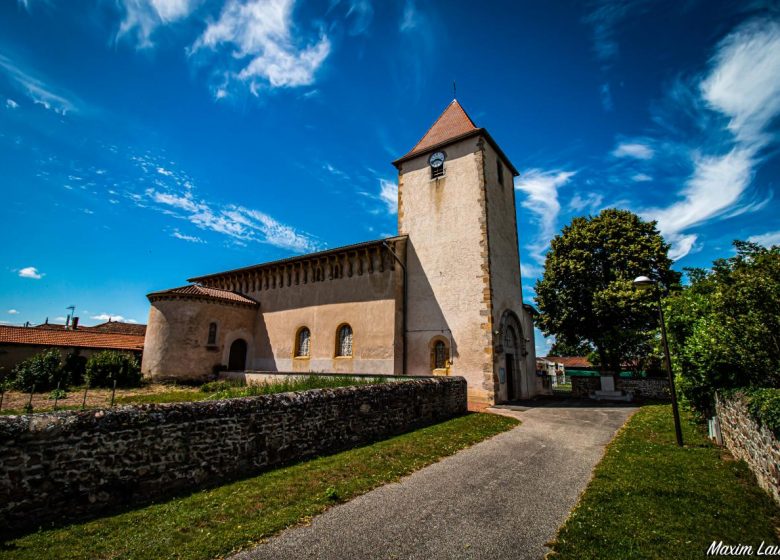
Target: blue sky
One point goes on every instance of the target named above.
(143, 142)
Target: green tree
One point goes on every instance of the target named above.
(42, 371)
(104, 367)
(724, 328)
(587, 294)
(566, 348)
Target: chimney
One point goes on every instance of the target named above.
(75, 323)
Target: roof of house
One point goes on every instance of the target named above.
(289, 260)
(118, 327)
(452, 125)
(76, 339)
(203, 292)
(571, 361)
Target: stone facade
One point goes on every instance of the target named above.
(67, 465)
(444, 297)
(754, 444)
(650, 388)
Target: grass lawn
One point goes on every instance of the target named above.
(213, 523)
(650, 499)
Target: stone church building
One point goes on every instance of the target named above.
(443, 297)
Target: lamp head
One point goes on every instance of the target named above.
(643, 283)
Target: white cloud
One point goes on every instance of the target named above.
(745, 80)
(769, 239)
(60, 319)
(39, 92)
(13, 312)
(11, 104)
(163, 171)
(743, 84)
(359, 16)
(238, 222)
(31, 272)
(633, 150)
(388, 193)
(591, 202)
(191, 238)
(111, 317)
(144, 16)
(258, 34)
(641, 178)
(541, 188)
(411, 18)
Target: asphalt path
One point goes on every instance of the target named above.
(504, 498)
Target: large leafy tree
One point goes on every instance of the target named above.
(724, 327)
(586, 295)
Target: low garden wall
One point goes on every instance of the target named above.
(653, 388)
(67, 465)
(747, 440)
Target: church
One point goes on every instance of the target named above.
(443, 297)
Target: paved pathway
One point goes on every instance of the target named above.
(503, 498)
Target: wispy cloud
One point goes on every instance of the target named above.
(13, 312)
(34, 87)
(191, 238)
(605, 19)
(410, 18)
(541, 188)
(31, 272)
(641, 178)
(633, 150)
(142, 17)
(11, 104)
(359, 16)
(388, 193)
(590, 201)
(743, 85)
(261, 50)
(768, 239)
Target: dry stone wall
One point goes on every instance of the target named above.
(67, 465)
(746, 440)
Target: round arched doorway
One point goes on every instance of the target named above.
(237, 358)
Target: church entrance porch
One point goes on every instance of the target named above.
(237, 358)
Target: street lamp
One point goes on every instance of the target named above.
(644, 284)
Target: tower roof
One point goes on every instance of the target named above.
(453, 124)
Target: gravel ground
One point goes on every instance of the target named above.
(503, 498)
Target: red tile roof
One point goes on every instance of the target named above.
(571, 361)
(202, 292)
(118, 327)
(74, 339)
(453, 122)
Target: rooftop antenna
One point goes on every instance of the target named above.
(454, 90)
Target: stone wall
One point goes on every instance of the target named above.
(68, 465)
(655, 388)
(754, 444)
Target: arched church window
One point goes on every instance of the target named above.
(303, 343)
(439, 355)
(344, 341)
(212, 334)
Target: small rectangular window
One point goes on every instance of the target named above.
(500, 169)
(437, 172)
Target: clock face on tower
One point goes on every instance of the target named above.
(436, 159)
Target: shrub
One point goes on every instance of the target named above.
(74, 367)
(109, 365)
(42, 371)
(224, 385)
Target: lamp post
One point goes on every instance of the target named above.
(645, 284)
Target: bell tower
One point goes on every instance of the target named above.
(465, 314)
